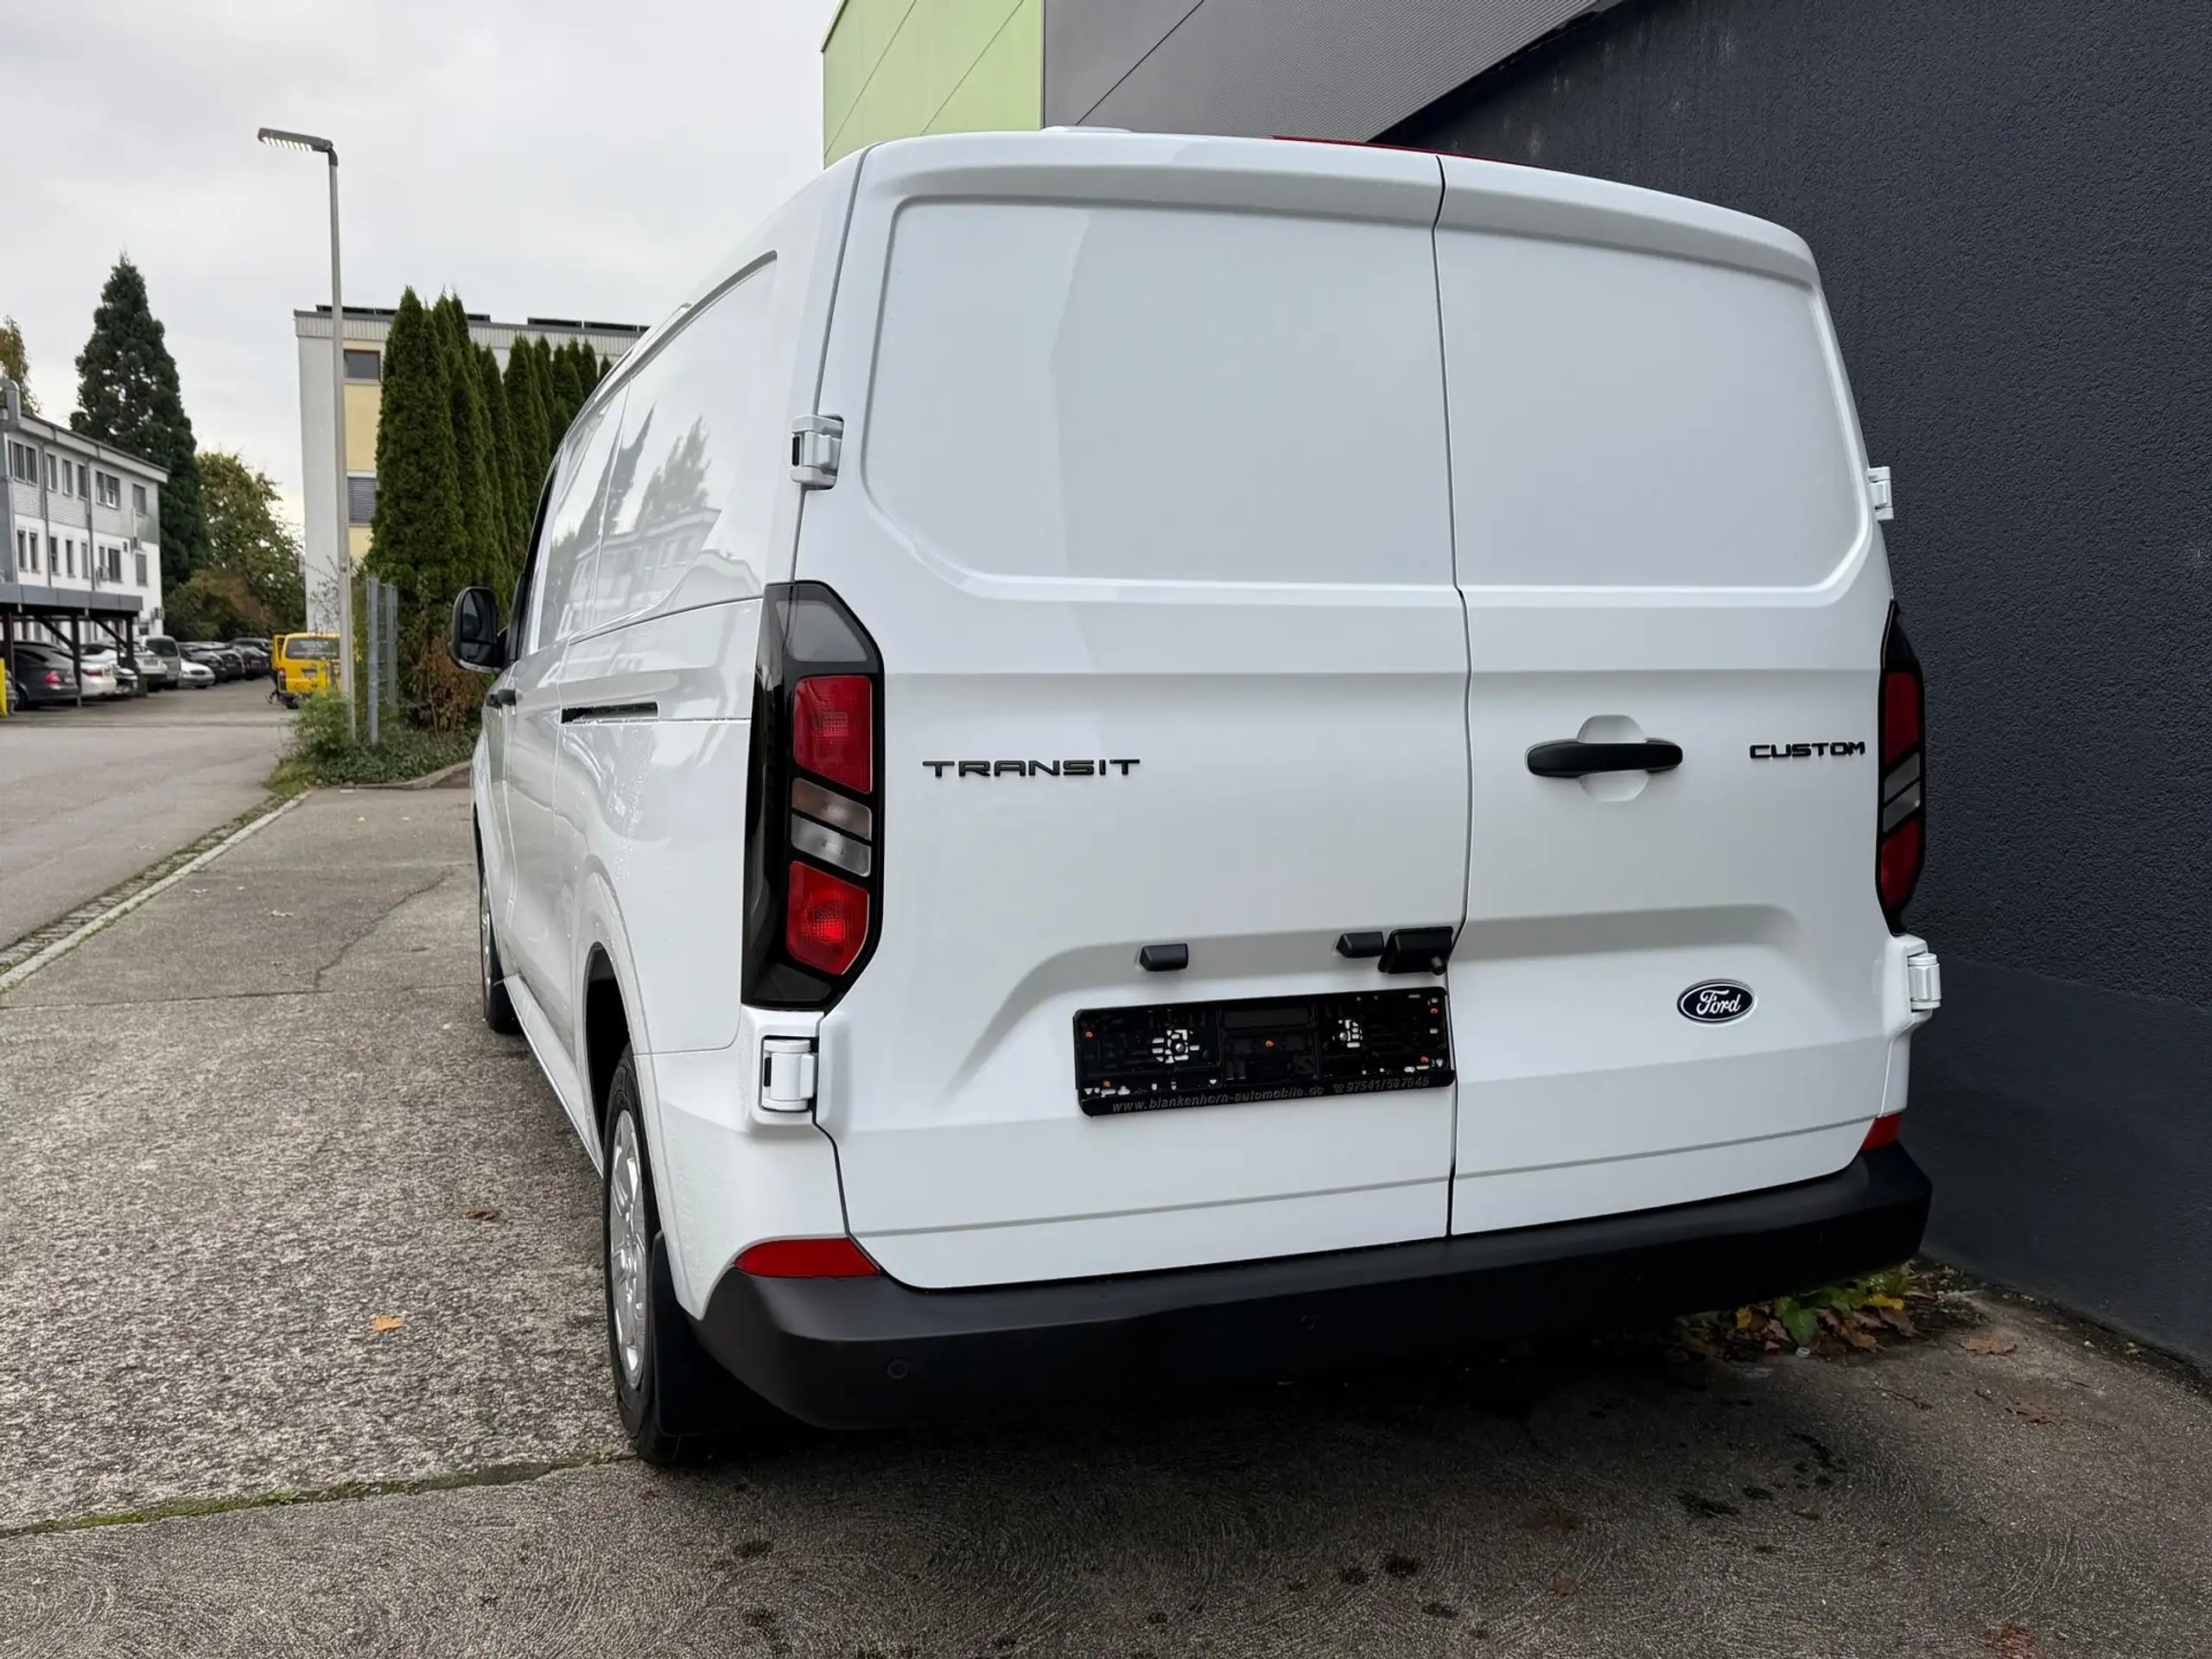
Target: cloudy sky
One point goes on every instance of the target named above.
(564, 158)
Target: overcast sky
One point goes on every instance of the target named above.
(560, 158)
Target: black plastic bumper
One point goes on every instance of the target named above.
(858, 1352)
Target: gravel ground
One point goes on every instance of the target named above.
(250, 1120)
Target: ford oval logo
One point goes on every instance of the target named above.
(1715, 1002)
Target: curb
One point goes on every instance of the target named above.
(76, 936)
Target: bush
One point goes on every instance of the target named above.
(322, 754)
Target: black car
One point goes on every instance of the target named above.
(256, 652)
(219, 659)
(44, 676)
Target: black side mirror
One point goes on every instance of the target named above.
(475, 642)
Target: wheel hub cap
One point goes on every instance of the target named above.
(627, 1248)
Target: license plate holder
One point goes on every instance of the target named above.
(1229, 1054)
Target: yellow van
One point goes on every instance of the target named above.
(304, 662)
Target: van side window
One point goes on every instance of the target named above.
(572, 533)
(1149, 394)
(525, 580)
(693, 489)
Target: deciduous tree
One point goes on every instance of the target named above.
(246, 539)
(16, 358)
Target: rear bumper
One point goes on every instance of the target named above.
(860, 1352)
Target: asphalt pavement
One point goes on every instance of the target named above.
(303, 1354)
(89, 797)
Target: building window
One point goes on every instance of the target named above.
(141, 557)
(360, 497)
(109, 487)
(137, 498)
(84, 482)
(32, 549)
(53, 479)
(22, 463)
(69, 551)
(362, 365)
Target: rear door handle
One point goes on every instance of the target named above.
(1572, 758)
(502, 696)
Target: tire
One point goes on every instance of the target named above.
(498, 1008)
(639, 1305)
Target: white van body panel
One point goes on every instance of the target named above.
(1144, 458)
(1663, 531)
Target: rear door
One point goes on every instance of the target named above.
(1144, 503)
(1663, 534)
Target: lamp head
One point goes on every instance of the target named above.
(278, 138)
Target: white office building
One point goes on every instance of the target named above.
(367, 330)
(81, 532)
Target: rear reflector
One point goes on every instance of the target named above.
(1901, 794)
(807, 1258)
(1884, 1132)
(833, 729)
(826, 921)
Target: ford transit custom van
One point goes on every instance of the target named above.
(1124, 760)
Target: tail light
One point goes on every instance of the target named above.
(1901, 831)
(1883, 1131)
(814, 817)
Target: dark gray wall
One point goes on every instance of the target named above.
(1321, 68)
(2011, 204)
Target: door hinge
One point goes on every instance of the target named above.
(787, 1066)
(816, 442)
(1878, 488)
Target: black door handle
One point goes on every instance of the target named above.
(1572, 758)
(502, 696)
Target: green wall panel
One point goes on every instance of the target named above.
(893, 68)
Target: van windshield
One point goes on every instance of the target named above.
(308, 647)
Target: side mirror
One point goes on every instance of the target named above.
(475, 642)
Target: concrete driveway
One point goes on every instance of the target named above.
(216, 1183)
(89, 797)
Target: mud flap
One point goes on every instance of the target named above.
(696, 1396)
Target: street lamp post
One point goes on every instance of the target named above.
(323, 146)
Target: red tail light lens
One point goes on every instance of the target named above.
(1897, 865)
(826, 921)
(1900, 715)
(807, 1258)
(833, 729)
(1900, 795)
(1884, 1132)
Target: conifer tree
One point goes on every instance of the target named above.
(483, 511)
(420, 530)
(127, 395)
(568, 393)
(526, 415)
(514, 523)
(16, 358)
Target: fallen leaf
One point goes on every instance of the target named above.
(1900, 1322)
(1746, 1317)
(1884, 1301)
(1994, 1346)
(386, 1322)
(2013, 1640)
(1856, 1338)
(482, 1212)
(1563, 1588)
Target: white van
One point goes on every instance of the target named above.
(1125, 760)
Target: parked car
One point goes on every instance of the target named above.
(1126, 995)
(98, 672)
(226, 662)
(256, 653)
(154, 669)
(196, 675)
(127, 682)
(43, 674)
(304, 662)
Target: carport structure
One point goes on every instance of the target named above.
(66, 614)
